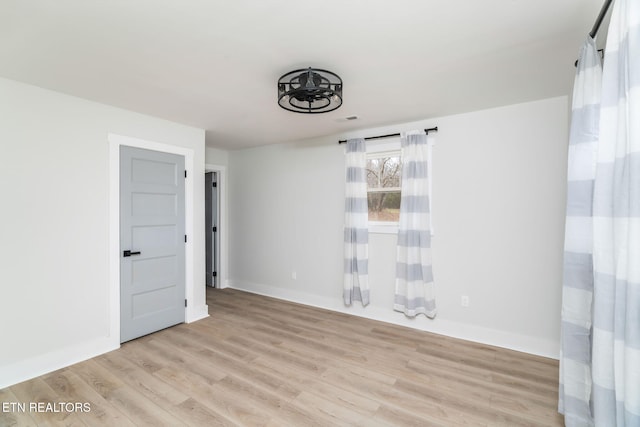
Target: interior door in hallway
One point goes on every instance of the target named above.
(152, 241)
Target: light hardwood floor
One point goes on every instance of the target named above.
(261, 361)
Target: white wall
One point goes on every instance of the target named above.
(216, 156)
(54, 225)
(498, 201)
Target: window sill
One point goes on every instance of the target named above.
(386, 228)
(379, 227)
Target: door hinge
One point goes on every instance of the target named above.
(185, 174)
(215, 274)
(215, 184)
(185, 238)
(185, 302)
(215, 229)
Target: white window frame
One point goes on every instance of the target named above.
(377, 149)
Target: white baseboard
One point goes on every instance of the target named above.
(198, 313)
(33, 367)
(468, 332)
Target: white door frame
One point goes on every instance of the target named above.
(115, 141)
(221, 171)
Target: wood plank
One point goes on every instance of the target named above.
(140, 380)
(232, 366)
(139, 409)
(237, 410)
(72, 388)
(37, 391)
(195, 413)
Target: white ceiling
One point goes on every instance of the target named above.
(214, 64)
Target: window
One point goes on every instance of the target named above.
(384, 181)
(384, 171)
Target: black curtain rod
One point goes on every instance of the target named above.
(596, 25)
(603, 12)
(369, 138)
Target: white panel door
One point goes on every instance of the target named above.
(152, 241)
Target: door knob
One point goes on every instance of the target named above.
(129, 253)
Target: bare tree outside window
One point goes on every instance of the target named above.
(383, 182)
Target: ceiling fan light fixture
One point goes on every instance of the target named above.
(310, 91)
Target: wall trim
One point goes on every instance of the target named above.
(468, 332)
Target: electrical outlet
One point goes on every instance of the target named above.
(464, 301)
(294, 276)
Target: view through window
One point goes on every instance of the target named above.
(384, 171)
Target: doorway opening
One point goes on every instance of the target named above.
(212, 224)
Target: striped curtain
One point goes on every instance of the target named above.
(356, 233)
(414, 293)
(577, 286)
(616, 227)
